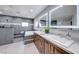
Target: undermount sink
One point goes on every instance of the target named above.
(61, 40)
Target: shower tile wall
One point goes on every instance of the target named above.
(17, 29)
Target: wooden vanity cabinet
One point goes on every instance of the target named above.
(45, 47)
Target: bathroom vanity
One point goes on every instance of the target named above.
(44, 46)
(47, 44)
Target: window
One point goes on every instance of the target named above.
(25, 24)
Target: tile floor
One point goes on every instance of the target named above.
(19, 48)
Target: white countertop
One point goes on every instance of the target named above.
(73, 48)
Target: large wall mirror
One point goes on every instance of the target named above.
(63, 16)
(43, 20)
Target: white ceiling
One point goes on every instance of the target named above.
(29, 11)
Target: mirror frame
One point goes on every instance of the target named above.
(46, 14)
(50, 13)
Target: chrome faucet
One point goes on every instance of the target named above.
(68, 35)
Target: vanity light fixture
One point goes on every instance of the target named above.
(1, 12)
(56, 8)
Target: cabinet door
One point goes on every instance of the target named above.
(36, 41)
(52, 49)
(34, 38)
(47, 47)
(59, 51)
(41, 45)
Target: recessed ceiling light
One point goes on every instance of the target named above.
(31, 10)
(1, 12)
(6, 9)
